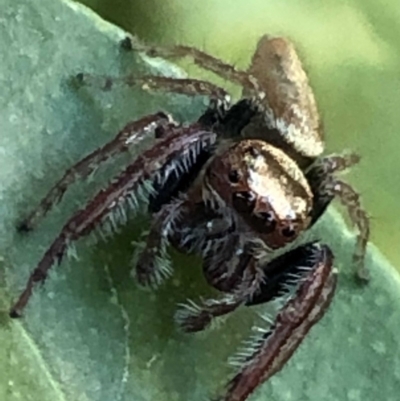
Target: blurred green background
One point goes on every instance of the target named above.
(351, 50)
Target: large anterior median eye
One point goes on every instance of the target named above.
(243, 201)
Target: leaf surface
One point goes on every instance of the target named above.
(89, 333)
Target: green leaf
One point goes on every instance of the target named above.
(89, 333)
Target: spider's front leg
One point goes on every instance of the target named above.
(171, 154)
(129, 136)
(309, 270)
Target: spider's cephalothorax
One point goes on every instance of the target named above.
(264, 187)
(238, 187)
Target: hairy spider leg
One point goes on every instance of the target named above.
(130, 135)
(183, 86)
(350, 198)
(131, 186)
(310, 267)
(200, 58)
(326, 187)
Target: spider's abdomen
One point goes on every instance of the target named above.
(289, 103)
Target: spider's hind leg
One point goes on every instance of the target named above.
(326, 187)
(184, 86)
(199, 57)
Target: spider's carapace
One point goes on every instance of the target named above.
(265, 187)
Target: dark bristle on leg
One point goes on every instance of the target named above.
(316, 283)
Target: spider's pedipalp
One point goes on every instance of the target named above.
(225, 261)
(192, 319)
(152, 264)
(135, 182)
(272, 347)
(130, 135)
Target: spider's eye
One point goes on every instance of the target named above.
(288, 232)
(234, 176)
(254, 152)
(264, 222)
(243, 201)
(268, 218)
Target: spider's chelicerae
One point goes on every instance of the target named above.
(238, 187)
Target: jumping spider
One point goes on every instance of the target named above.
(238, 187)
